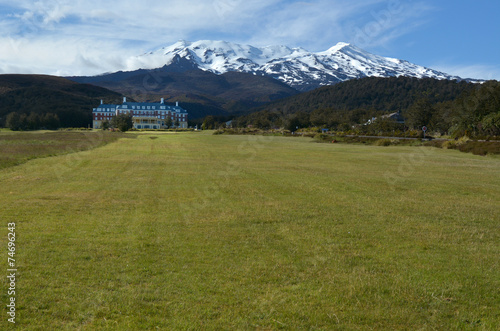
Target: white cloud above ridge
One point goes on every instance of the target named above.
(83, 37)
(474, 71)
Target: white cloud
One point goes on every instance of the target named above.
(65, 56)
(93, 36)
(475, 71)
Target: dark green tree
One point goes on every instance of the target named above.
(13, 121)
(208, 123)
(105, 125)
(51, 121)
(419, 114)
(34, 121)
(24, 122)
(168, 122)
(123, 122)
(490, 125)
(297, 121)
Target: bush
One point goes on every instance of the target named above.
(105, 125)
(474, 147)
(321, 137)
(386, 142)
(122, 122)
(491, 124)
(466, 145)
(455, 144)
(479, 147)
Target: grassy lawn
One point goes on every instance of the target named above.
(202, 232)
(19, 147)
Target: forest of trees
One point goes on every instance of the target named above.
(447, 107)
(22, 122)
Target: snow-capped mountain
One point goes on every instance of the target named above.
(296, 67)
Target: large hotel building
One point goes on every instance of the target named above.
(145, 115)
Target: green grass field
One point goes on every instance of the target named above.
(200, 232)
(19, 147)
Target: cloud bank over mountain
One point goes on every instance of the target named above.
(90, 37)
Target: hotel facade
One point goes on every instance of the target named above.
(144, 115)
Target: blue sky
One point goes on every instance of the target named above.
(74, 37)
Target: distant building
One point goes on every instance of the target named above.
(102, 113)
(396, 117)
(145, 115)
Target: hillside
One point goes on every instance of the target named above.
(71, 102)
(371, 93)
(200, 92)
(442, 106)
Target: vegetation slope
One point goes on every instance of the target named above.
(71, 102)
(200, 92)
(441, 105)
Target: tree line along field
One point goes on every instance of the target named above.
(196, 231)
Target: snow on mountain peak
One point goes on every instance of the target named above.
(297, 67)
(336, 48)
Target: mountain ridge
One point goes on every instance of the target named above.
(224, 78)
(297, 67)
